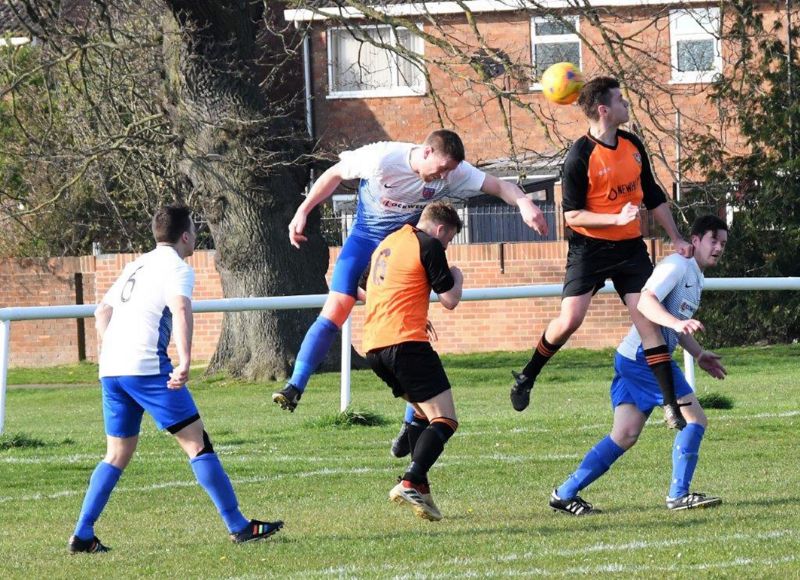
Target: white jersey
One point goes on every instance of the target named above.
(391, 194)
(678, 283)
(137, 337)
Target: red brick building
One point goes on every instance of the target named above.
(358, 93)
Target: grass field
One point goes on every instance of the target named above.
(330, 483)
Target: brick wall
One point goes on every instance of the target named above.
(472, 327)
(44, 282)
(473, 111)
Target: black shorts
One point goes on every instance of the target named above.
(412, 369)
(591, 261)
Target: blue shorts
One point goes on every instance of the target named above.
(126, 398)
(635, 384)
(351, 263)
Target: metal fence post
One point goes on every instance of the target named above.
(688, 368)
(347, 339)
(5, 336)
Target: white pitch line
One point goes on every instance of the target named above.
(190, 483)
(602, 547)
(322, 472)
(624, 569)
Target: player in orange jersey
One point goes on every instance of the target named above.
(606, 177)
(404, 269)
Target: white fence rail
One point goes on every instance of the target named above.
(10, 314)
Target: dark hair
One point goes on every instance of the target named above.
(596, 92)
(447, 143)
(442, 212)
(170, 222)
(708, 223)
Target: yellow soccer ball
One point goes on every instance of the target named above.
(561, 83)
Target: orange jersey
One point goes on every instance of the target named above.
(404, 268)
(602, 179)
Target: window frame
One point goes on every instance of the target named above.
(554, 38)
(694, 76)
(395, 91)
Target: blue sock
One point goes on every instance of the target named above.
(101, 484)
(594, 464)
(315, 346)
(210, 474)
(684, 458)
(409, 413)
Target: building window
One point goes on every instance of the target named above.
(695, 45)
(553, 40)
(358, 68)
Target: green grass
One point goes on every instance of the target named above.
(329, 482)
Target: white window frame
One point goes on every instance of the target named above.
(683, 77)
(554, 38)
(395, 91)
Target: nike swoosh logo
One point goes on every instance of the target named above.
(688, 285)
(387, 186)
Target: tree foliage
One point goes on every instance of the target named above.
(758, 181)
(88, 155)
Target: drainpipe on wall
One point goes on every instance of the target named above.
(307, 79)
(308, 95)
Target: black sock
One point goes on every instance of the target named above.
(415, 429)
(660, 362)
(429, 448)
(541, 354)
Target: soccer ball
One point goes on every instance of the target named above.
(561, 83)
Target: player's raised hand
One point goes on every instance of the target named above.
(628, 213)
(296, 228)
(688, 326)
(712, 364)
(532, 216)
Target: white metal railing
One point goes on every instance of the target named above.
(8, 315)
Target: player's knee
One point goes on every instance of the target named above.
(444, 427)
(626, 437)
(338, 307)
(118, 460)
(569, 322)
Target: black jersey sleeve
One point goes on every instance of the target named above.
(575, 176)
(653, 195)
(434, 260)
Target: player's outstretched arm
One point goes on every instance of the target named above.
(663, 216)
(182, 328)
(322, 189)
(513, 195)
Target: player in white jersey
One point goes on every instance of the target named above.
(670, 298)
(150, 300)
(397, 180)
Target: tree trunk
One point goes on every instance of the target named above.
(231, 92)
